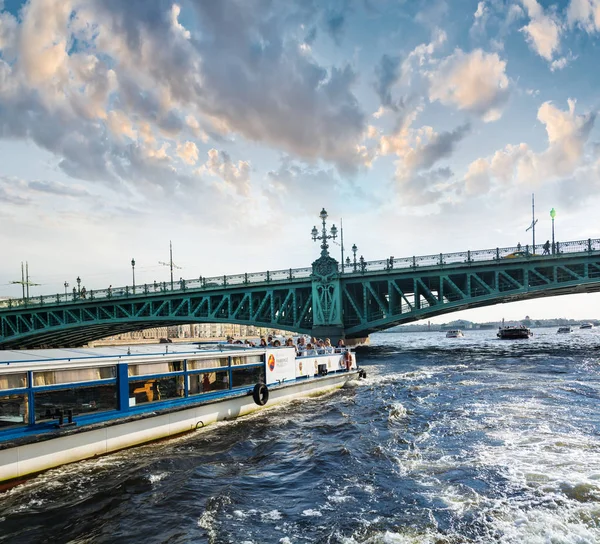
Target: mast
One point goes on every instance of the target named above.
(533, 220)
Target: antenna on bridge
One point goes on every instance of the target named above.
(533, 220)
(25, 283)
(170, 264)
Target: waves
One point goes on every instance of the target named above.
(444, 443)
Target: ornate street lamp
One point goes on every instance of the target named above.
(66, 285)
(78, 285)
(133, 272)
(324, 236)
(553, 215)
(354, 250)
(363, 265)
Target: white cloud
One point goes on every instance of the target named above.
(585, 13)
(567, 135)
(543, 31)
(475, 82)
(219, 164)
(188, 152)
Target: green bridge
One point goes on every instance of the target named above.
(328, 299)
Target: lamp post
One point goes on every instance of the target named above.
(363, 265)
(324, 236)
(66, 285)
(78, 285)
(354, 250)
(553, 215)
(133, 272)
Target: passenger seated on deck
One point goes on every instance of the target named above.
(321, 347)
(263, 342)
(310, 349)
(328, 346)
(276, 343)
(289, 342)
(269, 340)
(301, 346)
(340, 345)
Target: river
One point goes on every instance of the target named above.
(447, 441)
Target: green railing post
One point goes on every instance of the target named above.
(164, 286)
(145, 288)
(57, 299)
(224, 281)
(291, 277)
(441, 259)
(92, 294)
(127, 290)
(590, 245)
(414, 263)
(497, 254)
(469, 256)
(557, 248)
(246, 278)
(268, 276)
(527, 251)
(183, 284)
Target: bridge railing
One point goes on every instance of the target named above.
(481, 255)
(274, 276)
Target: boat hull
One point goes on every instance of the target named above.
(26, 457)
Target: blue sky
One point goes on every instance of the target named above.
(226, 126)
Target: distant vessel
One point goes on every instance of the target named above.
(454, 334)
(564, 330)
(513, 333)
(586, 326)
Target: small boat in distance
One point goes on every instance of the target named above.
(514, 333)
(564, 330)
(586, 326)
(455, 334)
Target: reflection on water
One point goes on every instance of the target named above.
(447, 441)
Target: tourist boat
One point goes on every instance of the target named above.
(586, 326)
(454, 334)
(58, 406)
(514, 333)
(564, 330)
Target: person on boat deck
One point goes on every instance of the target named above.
(289, 342)
(340, 343)
(230, 339)
(310, 349)
(320, 347)
(276, 343)
(301, 346)
(206, 383)
(263, 342)
(328, 346)
(546, 247)
(269, 340)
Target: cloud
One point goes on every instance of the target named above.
(475, 82)
(584, 13)
(543, 31)
(480, 18)
(567, 134)
(423, 188)
(219, 164)
(188, 152)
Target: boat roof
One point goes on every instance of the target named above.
(8, 357)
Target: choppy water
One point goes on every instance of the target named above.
(447, 441)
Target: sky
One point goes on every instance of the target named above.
(226, 126)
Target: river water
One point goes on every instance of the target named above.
(447, 441)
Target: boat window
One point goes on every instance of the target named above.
(82, 400)
(155, 368)
(246, 360)
(215, 362)
(247, 376)
(154, 390)
(13, 411)
(56, 377)
(208, 381)
(13, 381)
